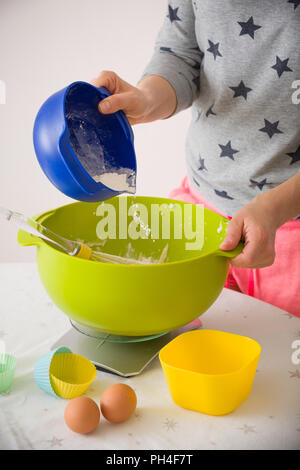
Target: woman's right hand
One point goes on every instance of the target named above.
(134, 101)
(154, 98)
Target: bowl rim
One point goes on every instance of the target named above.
(195, 332)
(215, 252)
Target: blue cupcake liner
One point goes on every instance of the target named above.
(42, 370)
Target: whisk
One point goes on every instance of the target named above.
(72, 248)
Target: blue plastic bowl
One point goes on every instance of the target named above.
(72, 140)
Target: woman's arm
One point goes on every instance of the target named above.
(284, 200)
(258, 221)
(154, 98)
(171, 80)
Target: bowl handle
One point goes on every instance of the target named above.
(231, 253)
(26, 239)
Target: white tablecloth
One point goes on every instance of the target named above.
(31, 419)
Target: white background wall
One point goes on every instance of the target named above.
(44, 46)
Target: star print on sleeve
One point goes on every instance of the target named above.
(173, 14)
(295, 2)
(223, 194)
(259, 184)
(214, 49)
(227, 150)
(295, 156)
(196, 182)
(248, 27)
(281, 66)
(240, 90)
(210, 111)
(166, 49)
(202, 164)
(271, 128)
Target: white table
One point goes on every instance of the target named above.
(31, 419)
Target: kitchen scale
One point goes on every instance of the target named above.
(122, 355)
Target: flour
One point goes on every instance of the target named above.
(94, 150)
(130, 254)
(122, 179)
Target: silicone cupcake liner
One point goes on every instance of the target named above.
(42, 370)
(71, 375)
(7, 371)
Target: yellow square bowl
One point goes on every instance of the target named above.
(210, 371)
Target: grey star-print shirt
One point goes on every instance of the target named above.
(234, 63)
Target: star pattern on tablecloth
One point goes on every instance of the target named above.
(55, 442)
(247, 429)
(170, 424)
(294, 374)
(297, 333)
(137, 414)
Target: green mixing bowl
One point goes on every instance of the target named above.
(131, 300)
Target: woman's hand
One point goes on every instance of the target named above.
(154, 98)
(256, 225)
(132, 100)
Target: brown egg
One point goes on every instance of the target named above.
(118, 403)
(82, 415)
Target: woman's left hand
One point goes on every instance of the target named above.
(256, 225)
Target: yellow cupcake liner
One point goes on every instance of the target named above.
(71, 375)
